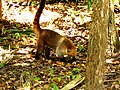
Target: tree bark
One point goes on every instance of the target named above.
(0, 9)
(114, 43)
(0, 16)
(97, 45)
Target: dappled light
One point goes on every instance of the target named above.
(20, 14)
(4, 55)
(21, 64)
(19, 70)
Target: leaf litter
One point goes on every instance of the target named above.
(18, 68)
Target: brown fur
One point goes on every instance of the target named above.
(61, 44)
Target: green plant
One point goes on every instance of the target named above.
(75, 71)
(80, 48)
(16, 35)
(37, 78)
(51, 71)
(2, 65)
(89, 4)
(53, 86)
(59, 79)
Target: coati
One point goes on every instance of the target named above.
(51, 39)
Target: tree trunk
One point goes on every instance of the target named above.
(114, 43)
(0, 9)
(97, 45)
(0, 16)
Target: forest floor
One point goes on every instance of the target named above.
(18, 68)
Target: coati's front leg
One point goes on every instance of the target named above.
(45, 51)
(42, 48)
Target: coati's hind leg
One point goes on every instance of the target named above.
(40, 48)
(47, 51)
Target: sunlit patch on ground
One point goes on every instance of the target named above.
(20, 70)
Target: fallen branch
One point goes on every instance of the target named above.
(74, 83)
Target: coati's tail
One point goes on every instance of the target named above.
(36, 25)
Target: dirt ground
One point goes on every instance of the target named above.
(18, 68)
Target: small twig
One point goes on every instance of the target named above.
(110, 80)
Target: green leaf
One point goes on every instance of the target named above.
(73, 77)
(89, 4)
(28, 73)
(59, 79)
(80, 48)
(119, 82)
(37, 78)
(5, 38)
(16, 35)
(2, 65)
(75, 71)
(51, 71)
(54, 86)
